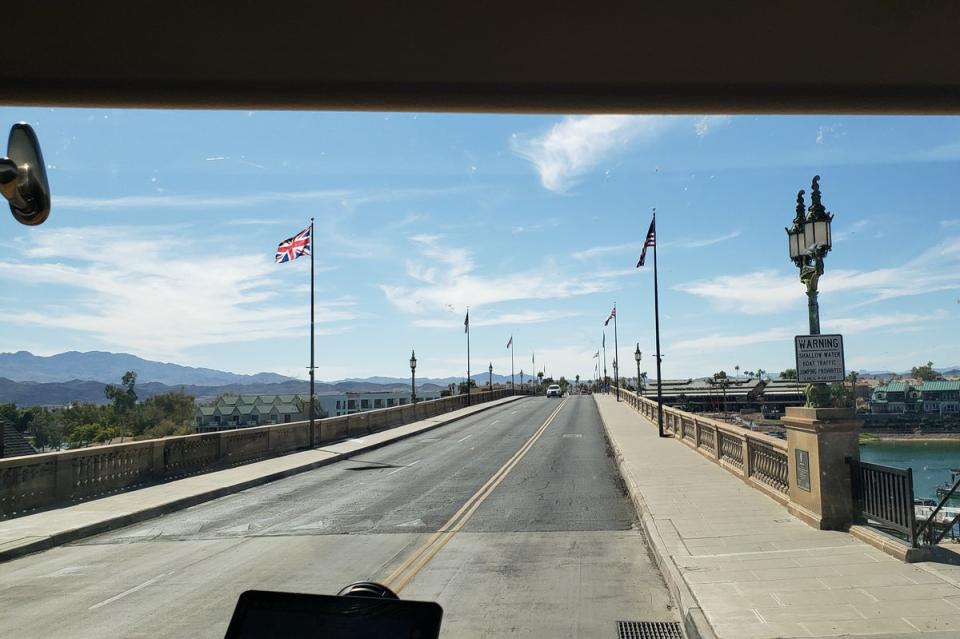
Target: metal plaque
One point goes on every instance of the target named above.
(803, 469)
(819, 358)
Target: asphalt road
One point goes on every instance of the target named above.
(514, 520)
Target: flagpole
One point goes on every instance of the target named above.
(604, 382)
(656, 314)
(512, 389)
(312, 412)
(616, 353)
(468, 356)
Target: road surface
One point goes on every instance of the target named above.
(536, 539)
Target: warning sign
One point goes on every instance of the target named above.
(819, 358)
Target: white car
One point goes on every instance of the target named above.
(553, 390)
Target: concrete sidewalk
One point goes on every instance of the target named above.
(32, 533)
(741, 567)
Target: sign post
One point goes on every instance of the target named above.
(819, 358)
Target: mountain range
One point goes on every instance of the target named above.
(57, 380)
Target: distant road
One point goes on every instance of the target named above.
(538, 540)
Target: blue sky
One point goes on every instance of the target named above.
(164, 226)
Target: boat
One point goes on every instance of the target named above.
(944, 489)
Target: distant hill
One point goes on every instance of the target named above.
(100, 366)
(442, 382)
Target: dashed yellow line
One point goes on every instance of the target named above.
(406, 571)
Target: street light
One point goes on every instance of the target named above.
(810, 240)
(491, 376)
(413, 377)
(539, 377)
(637, 355)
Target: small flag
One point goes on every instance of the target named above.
(292, 248)
(596, 355)
(466, 322)
(510, 343)
(613, 314)
(650, 241)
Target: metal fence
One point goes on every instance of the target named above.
(884, 495)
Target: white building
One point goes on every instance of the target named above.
(337, 404)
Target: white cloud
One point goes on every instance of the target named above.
(853, 229)
(847, 325)
(525, 317)
(760, 292)
(634, 247)
(193, 201)
(600, 251)
(703, 124)
(132, 289)
(691, 244)
(576, 144)
(446, 281)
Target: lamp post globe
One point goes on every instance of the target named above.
(413, 377)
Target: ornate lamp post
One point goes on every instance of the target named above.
(491, 377)
(637, 355)
(413, 377)
(810, 240)
(540, 378)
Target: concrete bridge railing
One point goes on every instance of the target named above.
(49, 479)
(760, 460)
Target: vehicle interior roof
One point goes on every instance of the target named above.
(743, 56)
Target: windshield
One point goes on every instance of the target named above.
(298, 350)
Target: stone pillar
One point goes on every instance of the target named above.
(818, 442)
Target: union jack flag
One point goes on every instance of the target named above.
(613, 314)
(292, 248)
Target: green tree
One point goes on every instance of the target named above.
(124, 397)
(840, 395)
(16, 416)
(46, 428)
(925, 373)
(462, 388)
(788, 373)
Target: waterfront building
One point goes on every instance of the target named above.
(245, 411)
(937, 397)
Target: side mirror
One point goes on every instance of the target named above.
(23, 177)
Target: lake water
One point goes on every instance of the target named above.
(931, 461)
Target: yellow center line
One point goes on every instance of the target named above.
(402, 575)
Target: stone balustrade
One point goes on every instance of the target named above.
(760, 460)
(48, 479)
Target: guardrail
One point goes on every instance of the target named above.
(885, 494)
(47, 479)
(758, 459)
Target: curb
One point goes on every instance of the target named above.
(695, 624)
(120, 521)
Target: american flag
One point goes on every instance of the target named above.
(292, 248)
(613, 314)
(466, 322)
(510, 343)
(650, 241)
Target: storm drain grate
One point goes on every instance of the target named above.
(649, 630)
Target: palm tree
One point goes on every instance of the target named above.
(737, 368)
(761, 373)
